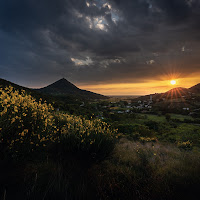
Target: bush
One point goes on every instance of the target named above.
(135, 131)
(79, 134)
(147, 139)
(25, 124)
(185, 145)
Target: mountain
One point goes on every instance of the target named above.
(63, 87)
(174, 93)
(195, 89)
(4, 83)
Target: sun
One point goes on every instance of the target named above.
(173, 82)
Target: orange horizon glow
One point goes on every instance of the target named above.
(150, 87)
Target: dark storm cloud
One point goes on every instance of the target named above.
(121, 41)
(29, 14)
(176, 10)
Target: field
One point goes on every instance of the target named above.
(49, 154)
(162, 118)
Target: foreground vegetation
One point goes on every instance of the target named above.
(149, 171)
(48, 154)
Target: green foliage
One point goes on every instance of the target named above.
(135, 131)
(183, 133)
(27, 125)
(62, 148)
(79, 134)
(167, 116)
(185, 145)
(148, 171)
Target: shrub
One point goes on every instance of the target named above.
(185, 145)
(25, 124)
(79, 134)
(135, 131)
(148, 139)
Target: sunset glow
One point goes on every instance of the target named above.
(173, 82)
(141, 88)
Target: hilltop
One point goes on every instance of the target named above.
(60, 88)
(195, 89)
(4, 83)
(63, 87)
(174, 93)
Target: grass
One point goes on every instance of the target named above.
(69, 157)
(183, 132)
(181, 117)
(155, 118)
(53, 178)
(148, 171)
(134, 170)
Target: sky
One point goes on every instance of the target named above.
(112, 47)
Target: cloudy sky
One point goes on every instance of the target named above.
(106, 46)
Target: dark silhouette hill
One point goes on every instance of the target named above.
(195, 89)
(174, 93)
(63, 87)
(4, 83)
(60, 88)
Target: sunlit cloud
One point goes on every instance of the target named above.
(88, 4)
(150, 62)
(79, 62)
(107, 5)
(97, 23)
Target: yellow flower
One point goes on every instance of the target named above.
(26, 130)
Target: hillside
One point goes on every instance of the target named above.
(63, 87)
(175, 93)
(195, 89)
(4, 83)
